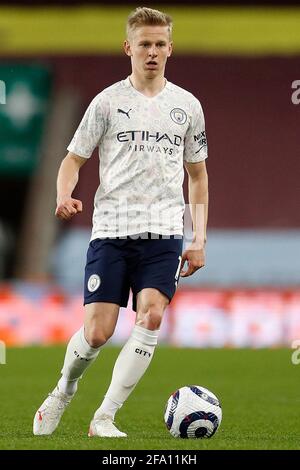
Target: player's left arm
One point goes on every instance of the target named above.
(198, 200)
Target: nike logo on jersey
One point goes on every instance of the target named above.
(124, 112)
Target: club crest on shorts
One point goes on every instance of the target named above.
(93, 282)
(178, 115)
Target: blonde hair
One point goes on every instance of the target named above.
(143, 16)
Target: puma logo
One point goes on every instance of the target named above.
(124, 112)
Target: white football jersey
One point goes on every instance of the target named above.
(142, 145)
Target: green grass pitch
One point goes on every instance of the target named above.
(258, 390)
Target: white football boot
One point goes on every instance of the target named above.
(103, 426)
(50, 412)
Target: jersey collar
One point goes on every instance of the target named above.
(128, 84)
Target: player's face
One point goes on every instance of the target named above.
(149, 47)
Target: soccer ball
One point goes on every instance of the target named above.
(193, 412)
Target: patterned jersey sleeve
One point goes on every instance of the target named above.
(195, 146)
(91, 129)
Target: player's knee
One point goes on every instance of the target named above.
(96, 338)
(151, 319)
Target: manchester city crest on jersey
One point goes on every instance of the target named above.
(178, 115)
(93, 282)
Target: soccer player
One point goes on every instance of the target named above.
(146, 129)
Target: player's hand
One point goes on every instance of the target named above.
(66, 208)
(195, 257)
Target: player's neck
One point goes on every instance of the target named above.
(148, 86)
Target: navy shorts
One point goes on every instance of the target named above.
(116, 265)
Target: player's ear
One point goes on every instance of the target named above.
(170, 49)
(127, 48)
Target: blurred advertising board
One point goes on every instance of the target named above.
(24, 93)
(198, 319)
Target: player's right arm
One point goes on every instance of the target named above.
(68, 175)
(86, 138)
